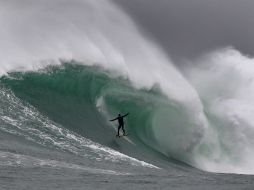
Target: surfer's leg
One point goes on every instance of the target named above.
(118, 130)
(123, 129)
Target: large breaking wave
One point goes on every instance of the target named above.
(203, 119)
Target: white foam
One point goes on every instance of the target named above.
(19, 160)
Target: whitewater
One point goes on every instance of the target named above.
(68, 67)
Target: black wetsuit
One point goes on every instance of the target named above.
(120, 122)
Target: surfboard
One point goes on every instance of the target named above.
(126, 138)
(121, 135)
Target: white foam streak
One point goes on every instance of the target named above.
(19, 160)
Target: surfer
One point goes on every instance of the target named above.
(120, 122)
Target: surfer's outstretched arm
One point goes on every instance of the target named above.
(125, 115)
(113, 119)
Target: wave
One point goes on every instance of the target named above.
(201, 115)
(83, 99)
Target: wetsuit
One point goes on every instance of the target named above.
(120, 122)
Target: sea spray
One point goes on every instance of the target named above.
(224, 82)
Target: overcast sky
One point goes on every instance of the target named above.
(187, 28)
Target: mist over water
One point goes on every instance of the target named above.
(207, 118)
